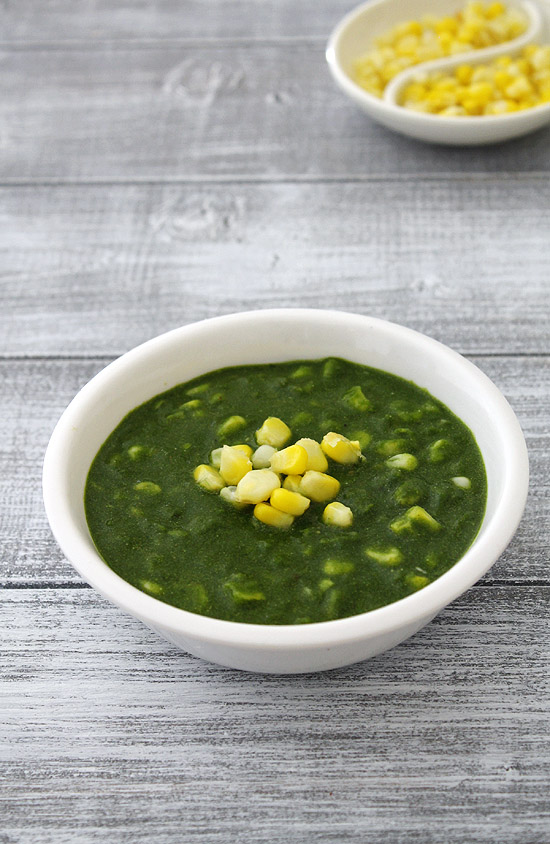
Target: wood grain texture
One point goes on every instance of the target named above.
(59, 21)
(87, 270)
(163, 162)
(110, 734)
(190, 111)
(36, 392)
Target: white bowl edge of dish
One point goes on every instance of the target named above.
(265, 337)
(355, 32)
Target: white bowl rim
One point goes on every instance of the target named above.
(423, 604)
(353, 90)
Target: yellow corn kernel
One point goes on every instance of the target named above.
(229, 494)
(503, 61)
(270, 516)
(482, 92)
(522, 66)
(216, 457)
(446, 25)
(262, 456)
(208, 478)
(257, 486)
(318, 486)
(519, 88)
(244, 448)
(494, 10)
(464, 73)
(234, 464)
(540, 60)
(290, 461)
(415, 91)
(453, 111)
(340, 449)
(273, 432)
(289, 502)
(337, 515)
(445, 39)
(475, 26)
(502, 79)
(315, 458)
(472, 107)
(411, 28)
(292, 482)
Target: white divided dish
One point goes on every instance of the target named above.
(266, 337)
(355, 34)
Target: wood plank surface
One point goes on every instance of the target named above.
(87, 270)
(175, 112)
(163, 162)
(36, 393)
(113, 735)
(61, 21)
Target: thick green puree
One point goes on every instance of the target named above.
(166, 535)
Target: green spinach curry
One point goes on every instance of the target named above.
(407, 493)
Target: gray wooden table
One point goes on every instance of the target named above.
(171, 160)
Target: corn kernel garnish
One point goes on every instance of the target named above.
(281, 484)
(273, 432)
(476, 26)
(289, 502)
(271, 516)
(234, 464)
(315, 458)
(207, 477)
(337, 515)
(340, 449)
(318, 486)
(257, 486)
(502, 86)
(291, 460)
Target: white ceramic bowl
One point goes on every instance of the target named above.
(270, 336)
(353, 36)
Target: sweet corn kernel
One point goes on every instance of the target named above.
(315, 458)
(234, 464)
(246, 449)
(499, 87)
(291, 460)
(462, 482)
(340, 449)
(318, 486)
(273, 432)
(405, 461)
(474, 27)
(337, 515)
(289, 502)
(270, 516)
(292, 482)
(229, 494)
(216, 457)
(257, 486)
(208, 478)
(262, 456)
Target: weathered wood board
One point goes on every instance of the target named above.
(195, 111)
(163, 162)
(112, 734)
(90, 270)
